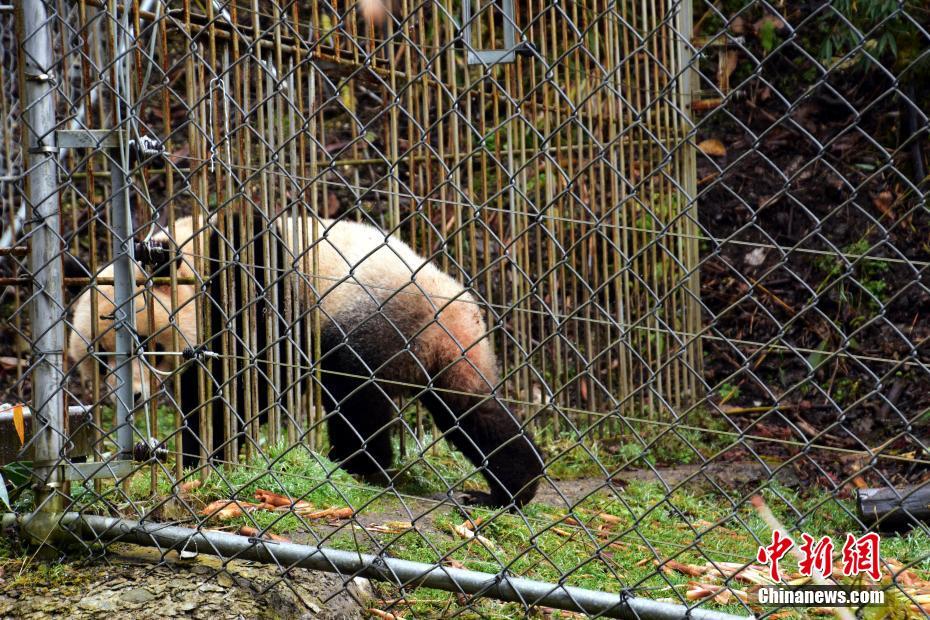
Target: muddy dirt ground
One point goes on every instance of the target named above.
(138, 582)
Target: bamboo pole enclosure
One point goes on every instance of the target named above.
(550, 177)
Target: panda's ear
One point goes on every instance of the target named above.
(74, 267)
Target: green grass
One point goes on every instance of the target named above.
(576, 547)
(542, 545)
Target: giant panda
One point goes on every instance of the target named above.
(390, 319)
(156, 328)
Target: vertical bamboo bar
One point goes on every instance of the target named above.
(284, 352)
(303, 240)
(173, 273)
(545, 35)
(225, 393)
(198, 191)
(687, 176)
(295, 326)
(91, 231)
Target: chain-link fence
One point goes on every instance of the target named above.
(507, 307)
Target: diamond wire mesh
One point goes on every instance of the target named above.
(697, 256)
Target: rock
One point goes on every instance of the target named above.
(136, 595)
(98, 603)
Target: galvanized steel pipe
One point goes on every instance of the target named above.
(47, 308)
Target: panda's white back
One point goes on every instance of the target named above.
(358, 261)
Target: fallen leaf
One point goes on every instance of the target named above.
(225, 509)
(281, 501)
(328, 513)
(485, 541)
(906, 578)
(686, 569)
(712, 147)
(472, 524)
(391, 527)
(19, 423)
(609, 518)
(883, 202)
(342, 513)
(753, 574)
(723, 597)
(698, 591)
(462, 531)
(187, 487)
(252, 532)
(383, 614)
(267, 497)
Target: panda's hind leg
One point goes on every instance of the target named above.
(366, 358)
(358, 420)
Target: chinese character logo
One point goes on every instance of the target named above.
(860, 555)
(816, 557)
(773, 553)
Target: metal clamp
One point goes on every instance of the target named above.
(194, 353)
(155, 254)
(43, 149)
(143, 148)
(39, 77)
(147, 146)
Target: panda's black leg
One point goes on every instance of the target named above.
(190, 412)
(359, 417)
(492, 439)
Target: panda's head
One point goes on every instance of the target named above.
(163, 329)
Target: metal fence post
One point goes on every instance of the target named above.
(47, 308)
(123, 290)
(124, 285)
